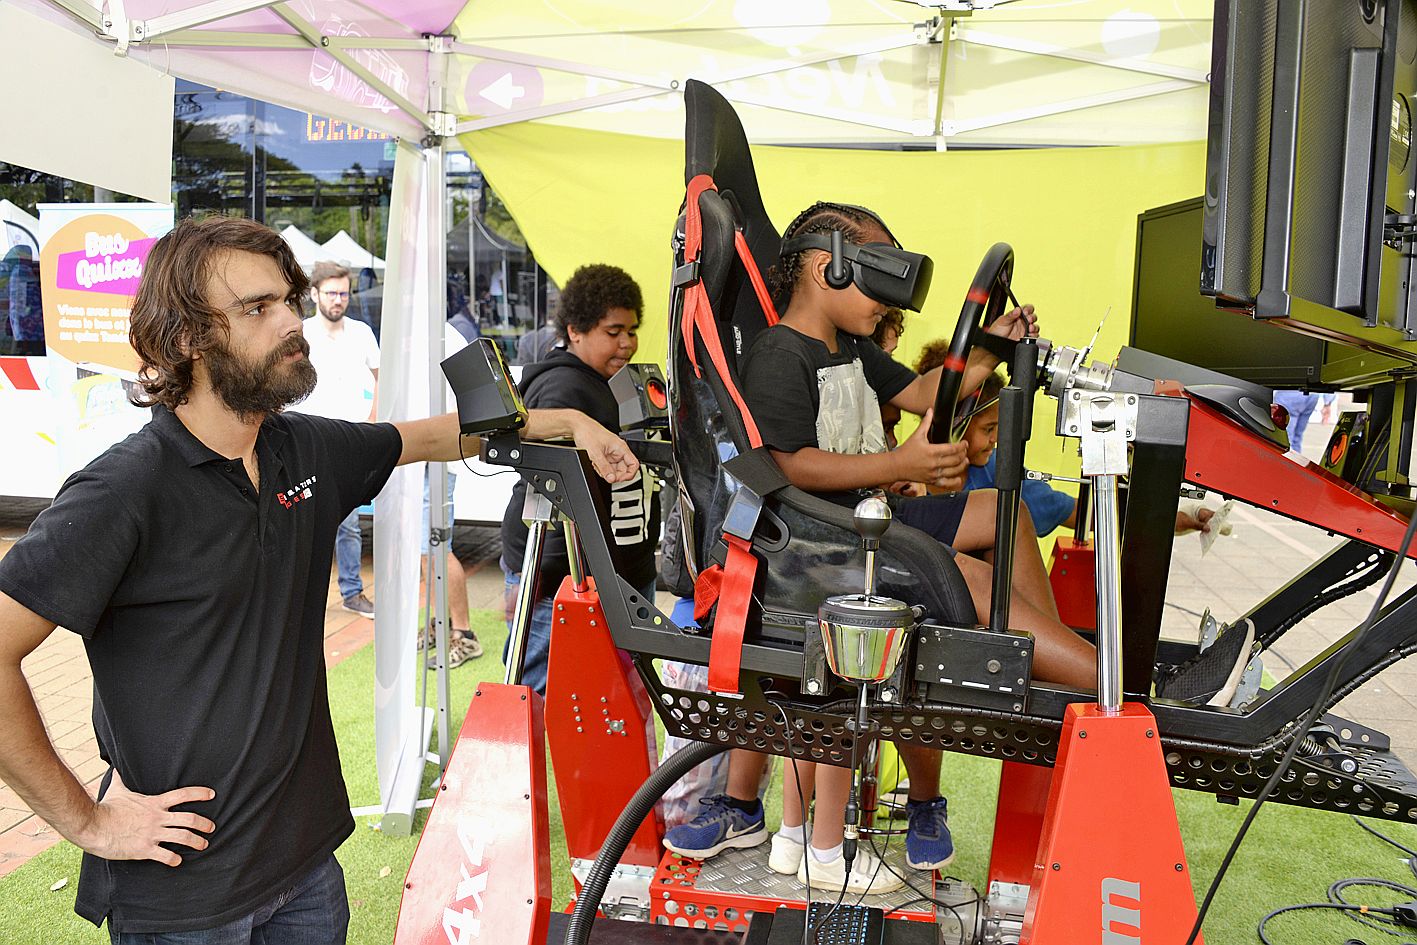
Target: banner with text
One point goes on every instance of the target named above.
(91, 259)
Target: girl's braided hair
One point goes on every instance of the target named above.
(820, 217)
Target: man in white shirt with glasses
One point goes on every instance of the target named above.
(346, 359)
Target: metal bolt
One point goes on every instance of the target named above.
(516, 454)
(592, 623)
(1180, 868)
(1018, 706)
(574, 697)
(993, 666)
(551, 485)
(603, 699)
(1057, 866)
(491, 454)
(579, 729)
(1150, 733)
(1020, 681)
(814, 687)
(1082, 734)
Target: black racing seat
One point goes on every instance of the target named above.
(807, 546)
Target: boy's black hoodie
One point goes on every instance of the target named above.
(564, 380)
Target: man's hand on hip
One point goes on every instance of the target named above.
(129, 826)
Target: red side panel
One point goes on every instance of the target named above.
(1110, 869)
(599, 728)
(482, 871)
(1073, 574)
(1018, 821)
(1222, 455)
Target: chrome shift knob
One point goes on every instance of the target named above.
(871, 518)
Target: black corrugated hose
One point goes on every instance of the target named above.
(675, 767)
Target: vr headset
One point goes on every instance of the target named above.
(885, 273)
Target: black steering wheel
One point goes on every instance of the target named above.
(987, 299)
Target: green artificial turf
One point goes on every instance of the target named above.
(1290, 856)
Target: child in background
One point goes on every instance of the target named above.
(1049, 507)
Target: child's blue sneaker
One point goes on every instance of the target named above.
(928, 845)
(720, 826)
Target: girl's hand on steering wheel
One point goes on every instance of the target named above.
(1015, 324)
(941, 465)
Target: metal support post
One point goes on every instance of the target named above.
(573, 556)
(1105, 422)
(537, 513)
(1109, 594)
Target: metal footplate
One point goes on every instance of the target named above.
(1379, 785)
(723, 893)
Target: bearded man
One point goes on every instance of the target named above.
(193, 558)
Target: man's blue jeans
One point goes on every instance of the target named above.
(538, 641)
(312, 911)
(349, 549)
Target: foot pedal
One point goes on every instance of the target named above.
(1249, 684)
(1210, 629)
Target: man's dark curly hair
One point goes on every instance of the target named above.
(172, 319)
(591, 292)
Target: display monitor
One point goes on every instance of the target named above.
(1171, 318)
(1309, 163)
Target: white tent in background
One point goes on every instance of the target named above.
(17, 228)
(345, 249)
(307, 251)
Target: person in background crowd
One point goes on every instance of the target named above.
(889, 329)
(346, 360)
(598, 320)
(1300, 405)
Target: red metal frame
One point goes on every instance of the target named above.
(1226, 457)
(1072, 572)
(1018, 822)
(1110, 867)
(599, 725)
(676, 899)
(482, 869)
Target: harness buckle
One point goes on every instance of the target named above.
(686, 275)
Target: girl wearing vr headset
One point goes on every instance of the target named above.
(815, 383)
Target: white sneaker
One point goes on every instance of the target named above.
(868, 874)
(785, 855)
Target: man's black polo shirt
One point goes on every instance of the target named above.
(202, 608)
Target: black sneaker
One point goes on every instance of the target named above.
(1210, 677)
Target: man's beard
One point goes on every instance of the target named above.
(258, 389)
(329, 315)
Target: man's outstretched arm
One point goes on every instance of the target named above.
(437, 440)
(124, 826)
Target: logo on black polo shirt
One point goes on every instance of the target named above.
(290, 498)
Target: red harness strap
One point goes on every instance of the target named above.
(698, 313)
(726, 646)
(750, 266)
(729, 586)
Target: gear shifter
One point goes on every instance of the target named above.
(864, 636)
